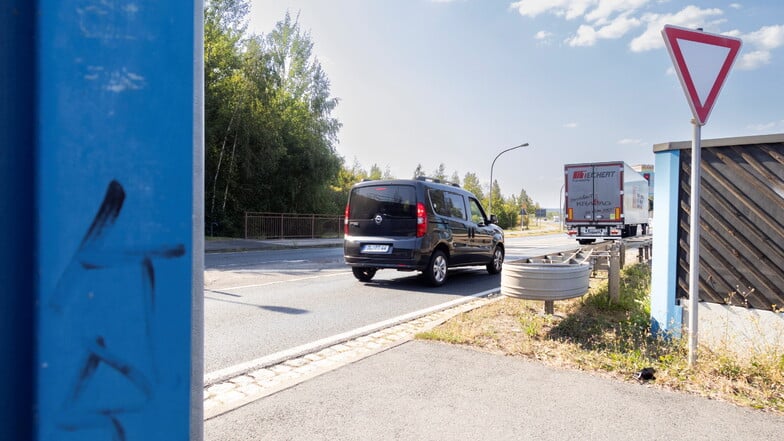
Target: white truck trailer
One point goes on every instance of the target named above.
(604, 200)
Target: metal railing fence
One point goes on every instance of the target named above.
(292, 226)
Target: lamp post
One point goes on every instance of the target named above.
(490, 205)
(560, 207)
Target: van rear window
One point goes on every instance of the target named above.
(393, 201)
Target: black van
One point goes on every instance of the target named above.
(418, 225)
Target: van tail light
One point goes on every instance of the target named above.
(345, 222)
(421, 227)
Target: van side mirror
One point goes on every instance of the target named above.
(493, 219)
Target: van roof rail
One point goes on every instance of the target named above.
(437, 181)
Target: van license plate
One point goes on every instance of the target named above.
(375, 248)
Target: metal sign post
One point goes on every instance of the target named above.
(694, 241)
(702, 62)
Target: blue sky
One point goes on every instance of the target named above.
(458, 81)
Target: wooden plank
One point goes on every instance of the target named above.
(742, 207)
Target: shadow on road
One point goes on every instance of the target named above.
(460, 281)
(280, 309)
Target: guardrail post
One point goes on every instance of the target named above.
(614, 272)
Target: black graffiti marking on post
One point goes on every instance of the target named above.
(93, 254)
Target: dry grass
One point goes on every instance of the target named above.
(592, 333)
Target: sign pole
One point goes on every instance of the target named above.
(694, 241)
(702, 62)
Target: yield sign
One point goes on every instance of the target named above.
(702, 61)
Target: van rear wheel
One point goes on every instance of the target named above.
(436, 270)
(495, 266)
(363, 274)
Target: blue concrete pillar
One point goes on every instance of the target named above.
(666, 315)
(104, 123)
(17, 216)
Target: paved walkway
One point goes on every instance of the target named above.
(432, 391)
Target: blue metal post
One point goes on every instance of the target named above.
(666, 315)
(102, 178)
(17, 217)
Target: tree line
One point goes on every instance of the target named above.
(270, 136)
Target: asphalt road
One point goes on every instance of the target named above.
(261, 302)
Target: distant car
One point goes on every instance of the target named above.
(418, 225)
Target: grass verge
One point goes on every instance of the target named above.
(593, 333)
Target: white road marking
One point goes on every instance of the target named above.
(278, 282)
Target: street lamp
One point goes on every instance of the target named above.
(560, 207)
(490, 205)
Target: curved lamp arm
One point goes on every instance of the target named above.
(490, 205)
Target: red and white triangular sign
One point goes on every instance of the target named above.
(702, 61)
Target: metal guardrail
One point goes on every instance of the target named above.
(292, 226)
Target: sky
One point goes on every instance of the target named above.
(456, 82)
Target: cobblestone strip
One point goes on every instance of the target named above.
(244, 389)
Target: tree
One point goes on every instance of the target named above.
(440, 172)
(418, 171)
(455, 178)
(223, 30)
(471, 183)
(269, 130)
(388, 173)
(375, 172)
(526, 202)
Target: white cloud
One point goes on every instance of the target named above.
(630, 141)
(607, 8)
(767, 37)
(760, 44)
(569, 9)
(753, 60)
(619, 27)
(614, 19)
(543, 35)
(587, 35)
(688, 17)
(570, 125)
(762, 127)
